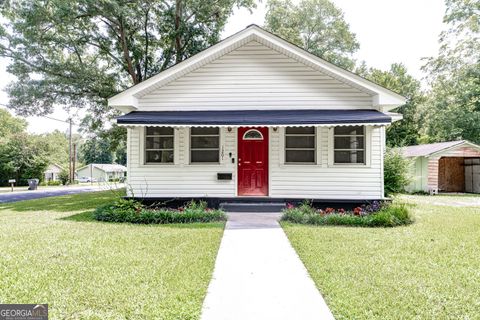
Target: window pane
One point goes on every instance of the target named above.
(159, 156)
(201, 131)
(204, 156)
(300, 142)
(349, 130)
(253, 135)
(300, 156)
(349, 142)
(159, 143)
(204, 142)
(300, 130)
(155, 131)
(349, 157)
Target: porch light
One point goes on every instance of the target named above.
(229, 129)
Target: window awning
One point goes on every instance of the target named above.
(237, 118)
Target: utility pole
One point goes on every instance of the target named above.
(74, 160)
(70, 175)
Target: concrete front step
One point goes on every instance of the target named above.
(252, 206)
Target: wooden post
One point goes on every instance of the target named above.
(70, 175)
(74, 160)
(12, 182)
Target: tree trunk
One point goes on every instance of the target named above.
(126, 54)
(178, 36)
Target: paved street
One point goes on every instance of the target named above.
(43, 193)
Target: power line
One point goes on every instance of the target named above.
(48, 117)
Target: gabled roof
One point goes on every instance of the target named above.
(424, 150)
(382, 97)
(106, 167)
(55, 165)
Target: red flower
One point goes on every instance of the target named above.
(290, 206)
(357, 211)
(329, 210)
(181, 209)
(341, 211)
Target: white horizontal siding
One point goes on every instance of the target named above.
(255, 77)
(324, 181)
(291, 181)
(180, 179)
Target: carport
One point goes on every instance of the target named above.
(444, 167)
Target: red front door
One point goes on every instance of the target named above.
(252, 161)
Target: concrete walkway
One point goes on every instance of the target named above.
(258, 275)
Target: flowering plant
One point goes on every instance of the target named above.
(358, 211)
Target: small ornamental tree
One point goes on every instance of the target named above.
(63, 176)
(395, 171)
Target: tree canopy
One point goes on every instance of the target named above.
(10, 125)
(397, 79)
(317, 26)
(453, 108)
(24, 155)
(78, 53)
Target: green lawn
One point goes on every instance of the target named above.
(52, 252)
(427, 270)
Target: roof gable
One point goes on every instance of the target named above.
(382, 97)
(106, 167)
(254, 77)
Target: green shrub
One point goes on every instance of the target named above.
(386, 216)
(63, 176)
(396, 172)
(54, 183)
(132, 211)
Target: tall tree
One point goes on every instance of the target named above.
(57, 145)
(317, 26)
(453, 108)
(405, 132)
(10, 125)
(78, 53)
(22, 157)
(96, 150)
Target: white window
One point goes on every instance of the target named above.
(300, 145)
(204, 145)
(159, 145)
(349, 145)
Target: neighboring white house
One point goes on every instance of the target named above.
(452, 166)
(256, 116)
(102, 172)
(52, 173)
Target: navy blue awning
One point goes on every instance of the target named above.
(254, 117)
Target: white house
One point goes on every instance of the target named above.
(102, 172)
(52, 173)
(256, 116)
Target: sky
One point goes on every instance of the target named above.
(388, 31)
